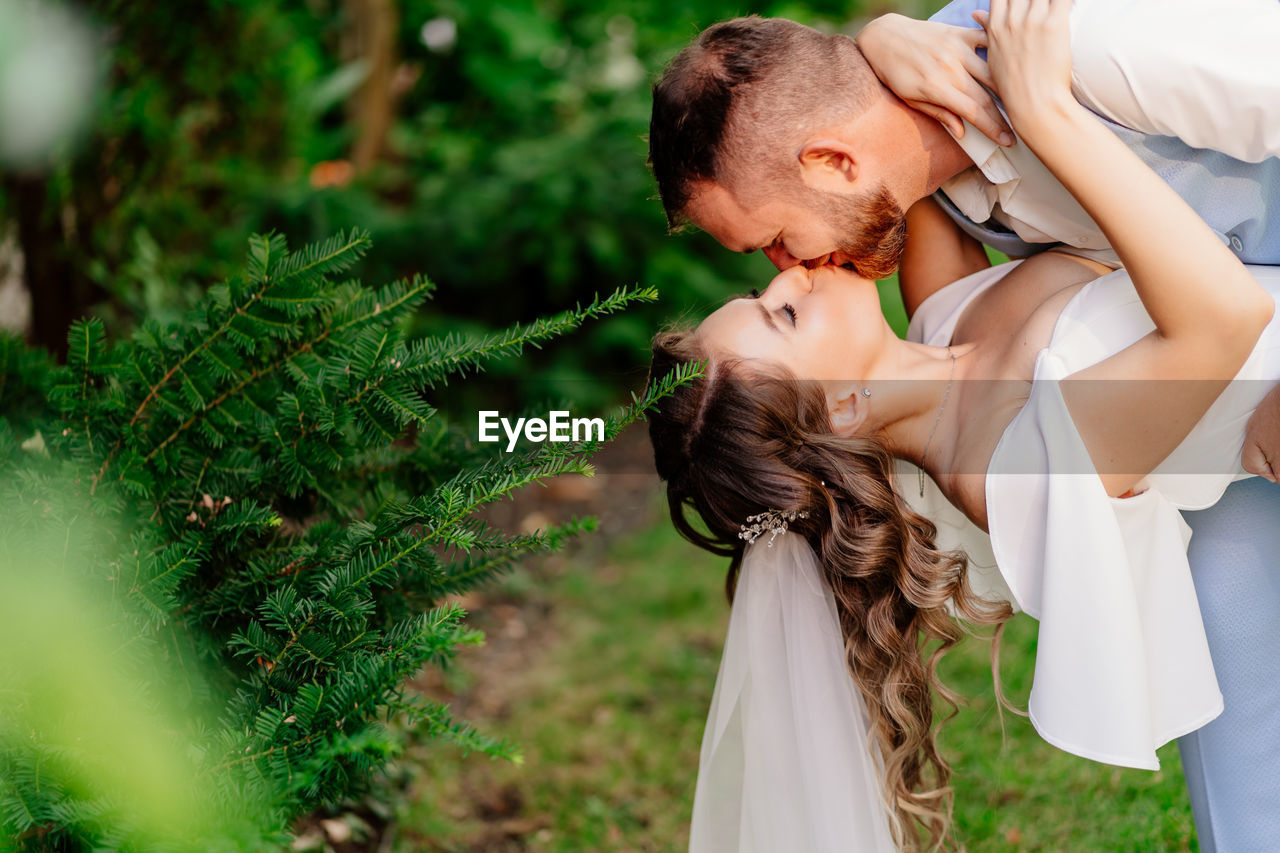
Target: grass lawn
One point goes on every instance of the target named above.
(606, 691)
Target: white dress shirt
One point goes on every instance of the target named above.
(1207, 73)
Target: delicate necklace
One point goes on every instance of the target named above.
(945, 395)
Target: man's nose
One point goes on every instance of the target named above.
(780, 257)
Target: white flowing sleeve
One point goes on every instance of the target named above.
(1122, 663)
(786, 759)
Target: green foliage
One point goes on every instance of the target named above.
(264, 492)
(512, 173)
(519, 161)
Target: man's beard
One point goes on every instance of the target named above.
(872, 230)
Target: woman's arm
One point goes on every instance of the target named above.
(935, 69)
(937, 253)
(1207, 309)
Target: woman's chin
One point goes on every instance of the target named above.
(839, 275)
(850, 273)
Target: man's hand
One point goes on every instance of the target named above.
(1262, 437)
(934, 69)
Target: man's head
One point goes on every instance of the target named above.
(768, 134)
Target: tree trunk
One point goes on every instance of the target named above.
(375, 27)
(51, 279)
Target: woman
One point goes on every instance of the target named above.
(1111, 384)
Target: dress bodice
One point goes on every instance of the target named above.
(1122, 665)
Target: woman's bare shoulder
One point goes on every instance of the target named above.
(1044, 281)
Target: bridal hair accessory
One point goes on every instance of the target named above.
(772, 521)
(945, 394)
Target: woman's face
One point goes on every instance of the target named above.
(823, 323)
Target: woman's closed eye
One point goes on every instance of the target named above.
(786, 306)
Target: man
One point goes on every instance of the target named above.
(770, 136)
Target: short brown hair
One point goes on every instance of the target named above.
(739, 92)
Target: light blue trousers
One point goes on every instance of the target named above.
(1232, 765)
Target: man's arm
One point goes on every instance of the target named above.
(937, 253)
(1205, 71)
(1261, 453)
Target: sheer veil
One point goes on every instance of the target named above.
(786, 760)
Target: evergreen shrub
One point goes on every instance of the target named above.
(263, 506)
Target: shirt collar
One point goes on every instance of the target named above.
(974, 196)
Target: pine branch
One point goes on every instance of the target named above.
(388, 303)
(293, 499)
(498, 552)
(336, 254)
(435, 359)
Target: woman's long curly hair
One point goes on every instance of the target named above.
(743, 439)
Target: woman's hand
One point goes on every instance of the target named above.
(1029, 54)
(1207, 309)
(934, 69)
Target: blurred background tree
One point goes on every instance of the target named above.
(496, 147)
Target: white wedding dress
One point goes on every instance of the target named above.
(1122, 665)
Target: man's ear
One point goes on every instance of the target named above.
(829, 165)
(847, 408)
